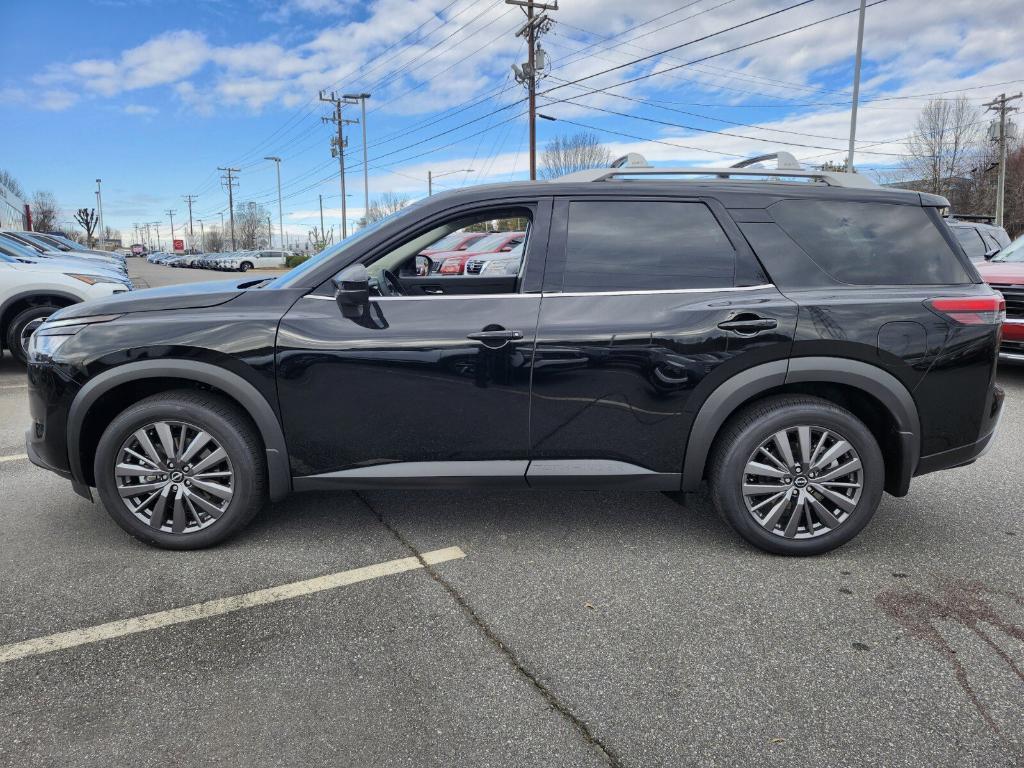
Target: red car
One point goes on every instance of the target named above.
(454, 262)
(456, 241)
(1005, 273)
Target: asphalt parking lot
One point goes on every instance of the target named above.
(579, 629)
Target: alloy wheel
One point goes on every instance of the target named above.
(803, 482)
(174, 477)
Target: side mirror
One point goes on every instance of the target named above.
(423, 265)
(352, 290)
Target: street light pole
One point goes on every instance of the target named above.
(361, 98)
(431, 176)
(99, 206)
(280, 215)
(856, 86)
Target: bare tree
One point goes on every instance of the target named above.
(44, 211)
(566, 154)
(318, 240)
(9, 181)
(214, 240)
(942, 149)
(385, 205)
(251, 226)
(88, 220)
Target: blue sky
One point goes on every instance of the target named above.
(153, 96)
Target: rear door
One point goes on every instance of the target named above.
(648, 305)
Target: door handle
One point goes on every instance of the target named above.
(749, 325)
(502, 335)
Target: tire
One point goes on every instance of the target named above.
(24, 322)
(769, 520)
(245, 266)
(237, 482)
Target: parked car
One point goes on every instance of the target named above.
(15, 252)
(1005, 273)
(456, 241)
(259, 260)
(26, 240)
(794, 344)
(30, 293)
(454, 262)
(496, 264)
(980, 238)
(61, 243)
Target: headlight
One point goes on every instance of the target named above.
(451, 266)
(500, 268)
(52, 334)
(94, 279)
(42, 348)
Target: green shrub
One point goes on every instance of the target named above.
(295, 259)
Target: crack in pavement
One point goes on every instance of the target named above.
(510, 656)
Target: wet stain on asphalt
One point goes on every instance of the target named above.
(969, 605)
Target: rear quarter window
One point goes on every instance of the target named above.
(871, 243)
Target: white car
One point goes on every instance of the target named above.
(247, 260)
(30, 293)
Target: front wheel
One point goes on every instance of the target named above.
(20, 331)
(796, 475)
(181, 470)
(245, 266)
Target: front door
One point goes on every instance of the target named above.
(432, 385)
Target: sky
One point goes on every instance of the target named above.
(153, 95)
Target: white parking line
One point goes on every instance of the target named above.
(223, 605)
(13, 386)
(13, 457)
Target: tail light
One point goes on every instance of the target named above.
(451, 266)
(975, 310)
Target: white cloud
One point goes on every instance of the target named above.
(140, 109)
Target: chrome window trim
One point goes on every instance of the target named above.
(552, 295)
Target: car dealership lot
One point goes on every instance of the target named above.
(579, 628)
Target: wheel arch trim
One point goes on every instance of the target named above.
(871, 379)
(233, 385)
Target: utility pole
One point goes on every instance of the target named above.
(99, 207)
(338, 146)
(856, 86)
(536, 61)
(230, 181)
(360, 98)
(191, 232)
(280, 215)
(170, 213)
(999, 104)
(202, 236)
(159, 244)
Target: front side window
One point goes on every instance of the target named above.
(645, 246)
(502, 235)
(871, 243)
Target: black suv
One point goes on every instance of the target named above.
(802, 344)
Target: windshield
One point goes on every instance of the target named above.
(288, 279)
(489, 243)
(448, 242)
(1013, 252)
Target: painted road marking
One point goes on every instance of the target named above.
(13, 386)
(75, 637)
(13, 457)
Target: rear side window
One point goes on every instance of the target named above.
(642, 246)
(971, 241)
(871, 243)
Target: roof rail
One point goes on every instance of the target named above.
(787, 167)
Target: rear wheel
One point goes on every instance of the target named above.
(181, 470)
(24, 324)
(796, 475)
(245, 266)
